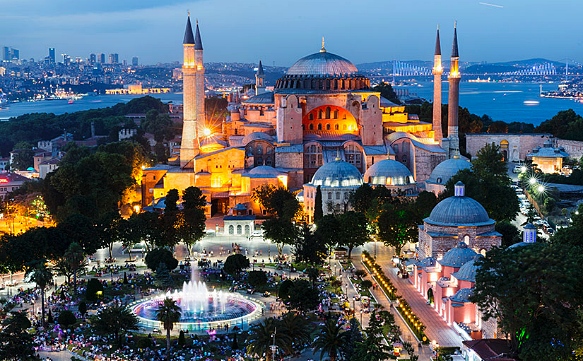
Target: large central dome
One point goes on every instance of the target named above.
(322, 72)
(322, 64)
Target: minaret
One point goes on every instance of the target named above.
(189, 143)
(437, 72)
(453, 98)
(259, 80)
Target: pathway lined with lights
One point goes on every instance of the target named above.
(436, 328)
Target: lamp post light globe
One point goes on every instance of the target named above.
(532, 181)
(540, 188)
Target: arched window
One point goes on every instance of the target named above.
(239, 229)
(231, 229)
(320, 113)
(467, 239)
(319, 126)
(311, 116)
(246, 229)
(336, 126)
(327, 126)
(337, 195)
(329, 196)
(327, 112)
(311, 126)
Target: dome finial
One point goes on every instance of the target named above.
(323, 50)
(338, 159)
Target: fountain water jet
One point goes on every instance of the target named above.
(201, 309)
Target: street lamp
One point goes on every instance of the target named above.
(361, 312)
(354, 302)
(273, 347)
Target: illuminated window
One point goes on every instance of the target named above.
(327, 126)
(336, 114)
(336, 127)
(327, 112)
(319, 126)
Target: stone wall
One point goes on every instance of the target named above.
(519, 145)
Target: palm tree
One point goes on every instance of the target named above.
(115, 319)
(330, 339)
(299, 326)
(43, 277)
(263, 335)
(168, 313)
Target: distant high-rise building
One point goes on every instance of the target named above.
(113, 58)
(15, 53)
(102, 58)
(135, 61)
(92, 59)
(66, 59)
(52, 57)
(6, 56)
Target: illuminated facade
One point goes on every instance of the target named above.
(320, 110)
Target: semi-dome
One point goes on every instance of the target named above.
(322, 63)
(458, 256)
(447, 169)
(256, 136)
(467, 272)
(463, 295)
(388, 172)
(459, 210)
(263, 171)
(337, 174)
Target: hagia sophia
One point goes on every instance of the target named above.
(323, 125)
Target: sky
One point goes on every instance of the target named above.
(279, 32)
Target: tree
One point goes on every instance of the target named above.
(353, 230)
(66, 318)
(43, 277)
(75, 259)
(277, 200)
(23, 157)
(302, 296)
(309, 247)
(488, 183)
(331, 337)
(397, 225)
(281, 231)
(16, 344)
(169, 221)
(300, 327)
(192, 221)
(373, 348)
(318, 207)
(115, 320)
(257, 279)
(94, 290)
(543, 280)
(160, 255)
(235, 263)
(387, 92)
(510, 234)
(355, 337)
(168, 313)
(263, 335)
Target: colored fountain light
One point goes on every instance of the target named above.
(202, 310)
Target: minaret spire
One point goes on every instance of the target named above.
(437, 72)
(197, 39)
(453, 97)
(188, 36)
(259, 80)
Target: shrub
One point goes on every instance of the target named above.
(67, 318)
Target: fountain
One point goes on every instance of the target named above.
(202, 309)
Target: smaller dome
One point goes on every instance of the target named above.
(337, 174)
(256, 136)
(458, 256)
(447, 169)
(463, 295)
(263, 171)
(467, 272)
(388, 172)
(459, 211)
(427, 262)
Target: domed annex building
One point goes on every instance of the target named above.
(443, 172)
(453, 220)
(320, 110)
(457, 232)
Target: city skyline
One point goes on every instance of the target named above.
(281, 33)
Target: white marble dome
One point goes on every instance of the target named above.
(337, 174)
(447, 169)
(388, 172)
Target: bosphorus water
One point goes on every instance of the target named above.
(502, 101)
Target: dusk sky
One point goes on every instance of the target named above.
(280, 32)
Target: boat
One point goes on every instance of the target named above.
(531, 102)
(71, 101)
